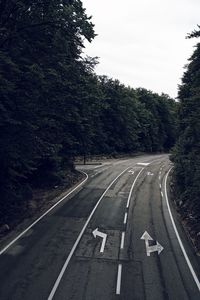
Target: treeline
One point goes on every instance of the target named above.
(186, 154)
(53, 107)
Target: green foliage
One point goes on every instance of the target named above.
(186, 154)
(53, 107)
(40, 67)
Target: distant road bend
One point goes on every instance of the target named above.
(114, 237)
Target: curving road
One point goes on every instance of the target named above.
(114, 237)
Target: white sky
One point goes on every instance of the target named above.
(142, 42)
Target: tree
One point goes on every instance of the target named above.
(40, 68)
(186, 154)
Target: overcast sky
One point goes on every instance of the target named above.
(142, 42)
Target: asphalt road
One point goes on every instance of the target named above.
(60, 258)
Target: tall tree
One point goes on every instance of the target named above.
(187, 151)
(40, 69)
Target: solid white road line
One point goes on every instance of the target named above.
(125, 217)
(178, 237)
(131, 190)
(122, 240)
(42, 216)
(100, 166)
(119, 276)
(143, 164)
(53, 291)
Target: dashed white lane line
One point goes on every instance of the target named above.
(131, 190)
(56, 284)
(122, 240)
(162, 194)
(125, 217)
(43, 215)
(159, 177)
(119, 276)
(160, 186)
(178, 237)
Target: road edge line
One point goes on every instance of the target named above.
(57, 282)
(178, 236)
(43, 215)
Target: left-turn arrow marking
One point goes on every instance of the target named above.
(96, 233)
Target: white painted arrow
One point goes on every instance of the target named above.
(149, 174)
(131, 171)
(96, 233)
(156, 248)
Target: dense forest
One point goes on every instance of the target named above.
(54, 107)
(186, 154)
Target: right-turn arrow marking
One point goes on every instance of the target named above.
(150, 249)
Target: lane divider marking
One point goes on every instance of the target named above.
(119, 276)
(43, 215)
(122, 240)
(56, 284)
(178, 236)
(131, 190)
(119, 273)
(125, 217)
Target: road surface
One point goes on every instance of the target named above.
(112, 238)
